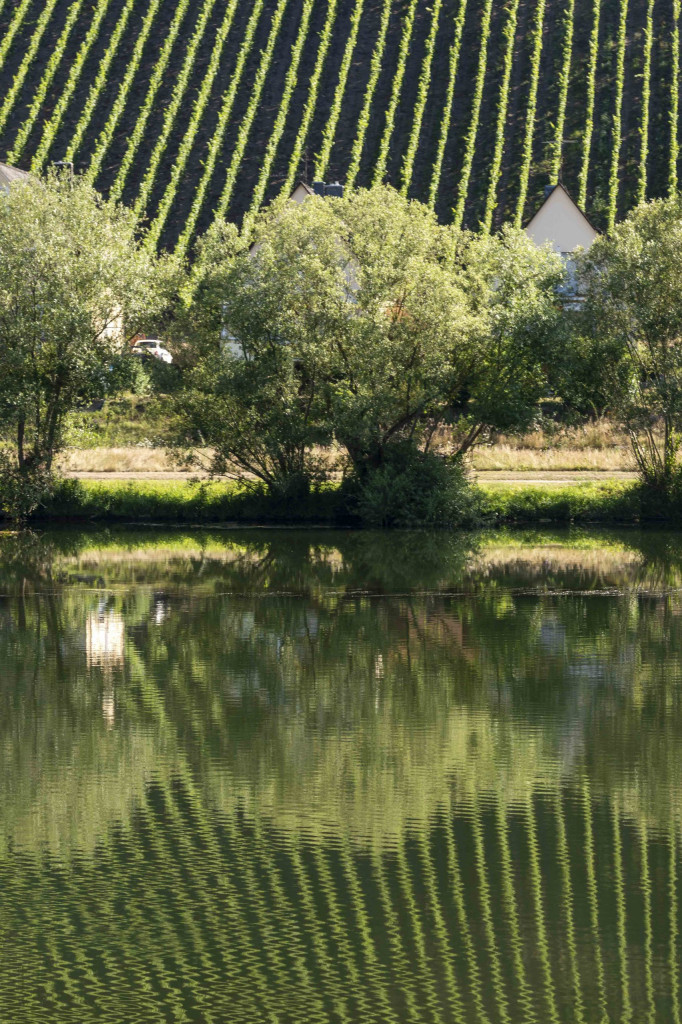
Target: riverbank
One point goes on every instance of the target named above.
(184, 502)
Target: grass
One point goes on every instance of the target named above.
(179, 501)
(512, 459)
(120, 459)
(127, 436)
(144, 457)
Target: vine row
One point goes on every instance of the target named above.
(245, 126)
(26, 62)
(100, 81)
(396, 87)
(446, 120)
(503, 106)
(173, 108)
(614, 178)
(104, 139)
(280, 121)
(311, 101)
(52, 127)
(329, 133)
(363, 120)
(145, 111)
(527, 152)
(422, 96)
(589, 105)
(228, 101)
(44, 84)
(472, 131)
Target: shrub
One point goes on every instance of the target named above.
(22, 491)
(413, 489)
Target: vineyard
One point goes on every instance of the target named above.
(184, 109)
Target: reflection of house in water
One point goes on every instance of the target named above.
(104, 638)
(105, 649)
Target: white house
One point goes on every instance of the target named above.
(561, 223)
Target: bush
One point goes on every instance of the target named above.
(22, 491)
(413, 489)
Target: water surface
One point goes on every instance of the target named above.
(280, 776)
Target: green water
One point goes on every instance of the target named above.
(251, 776)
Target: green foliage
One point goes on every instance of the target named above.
(363, 320)
(472, 131)
(256, 418)
(72, 278)
(578, 503)
(198, 109)
(413, 489)
(633, 318)
(501, 121)
(520, 330)
(446, 117)
(188, 109)
(536, 34)
(51, 128)
(396, 86)
(23, 490)
(179, 501)
(614, 176)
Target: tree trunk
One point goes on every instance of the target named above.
(20, 442)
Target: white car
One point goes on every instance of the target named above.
(152, 347)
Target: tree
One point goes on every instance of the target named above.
(248, 398)
(371, 323)
(633, 320)
(512, 286)
(74, 282)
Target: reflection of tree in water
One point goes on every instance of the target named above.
(453, 806)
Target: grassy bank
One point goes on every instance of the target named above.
(179, 502)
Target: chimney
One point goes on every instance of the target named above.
(319, 188)
(335, 189)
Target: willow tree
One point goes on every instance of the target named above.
(633, 319)
(74, 284)
(363, 319)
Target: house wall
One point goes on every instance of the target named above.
(560, 223)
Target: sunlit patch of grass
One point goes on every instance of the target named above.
(509, 458)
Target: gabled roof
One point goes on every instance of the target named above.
(9, 174)
(561, 214)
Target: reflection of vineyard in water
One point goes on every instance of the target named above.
(454, 806)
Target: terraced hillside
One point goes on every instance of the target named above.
(187, 107)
